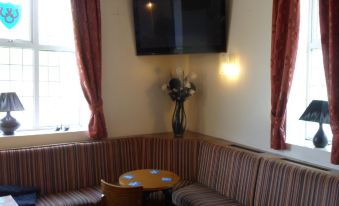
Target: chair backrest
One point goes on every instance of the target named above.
(114, 195)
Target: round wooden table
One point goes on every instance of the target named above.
(151, 180)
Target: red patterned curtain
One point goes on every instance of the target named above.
(285, 32)
(329, 26)
(87, 31)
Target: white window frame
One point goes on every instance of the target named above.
(33, 44)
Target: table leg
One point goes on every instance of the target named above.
(145, 197)
(168, 197)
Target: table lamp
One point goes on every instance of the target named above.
(9, 102)
(317, 111)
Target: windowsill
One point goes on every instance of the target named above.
(309, 144)
(41, 137)
(22, 133)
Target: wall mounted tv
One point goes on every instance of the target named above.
(180, 26)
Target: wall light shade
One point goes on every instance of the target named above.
(149, 5)
(229, 66)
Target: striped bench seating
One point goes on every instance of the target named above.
(211, 174)
(70, 174)
(226, 176)
(283, 183)
(230, 176)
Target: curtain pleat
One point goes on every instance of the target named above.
(285, 33)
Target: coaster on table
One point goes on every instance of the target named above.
(154, 172)
(134, 184)
(128, 177)
(166, 179)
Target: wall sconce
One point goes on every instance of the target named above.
(229, 66)
(149, 5)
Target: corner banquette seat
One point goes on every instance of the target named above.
(70, 174)
(229, 176)
(211, 174)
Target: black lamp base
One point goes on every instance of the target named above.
(320, 139)
(8, 124)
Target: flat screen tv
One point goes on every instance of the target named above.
(180, 26)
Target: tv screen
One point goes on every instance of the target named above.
(179, 26)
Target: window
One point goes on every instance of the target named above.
(309, 77)
(37, 61)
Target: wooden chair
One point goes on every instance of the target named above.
(114, 195)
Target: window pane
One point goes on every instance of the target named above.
(55, 23)
(315, 22)
(309, 77)
(15, 77)
(60, 96)
(4, 55)
(15, 19)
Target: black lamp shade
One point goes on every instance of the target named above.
(10, 102)
(317, 111)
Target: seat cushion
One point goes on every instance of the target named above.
(199, 195)
(89, 196)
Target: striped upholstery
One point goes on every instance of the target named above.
(279, 183)
(282, 183)
(98, 160)
(331, 194)
(158, 153)
(90, 196)
(236, 175)
(199, 195)
(130, 154)
(314, 185)
(178, 155)
(50, 168)
(186, 158)
(67, 174)
(320, 188)
(209, 155)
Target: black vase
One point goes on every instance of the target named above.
(179, 119)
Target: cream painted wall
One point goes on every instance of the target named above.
(240, 110)
(133, 100)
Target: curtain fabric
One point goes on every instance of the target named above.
(329, 27)
(285, 33)
(87, 31)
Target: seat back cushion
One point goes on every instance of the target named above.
(279, 183)
(49, 168)
(185, 156)
(130, 153)
(236, 175)
(331, 194)
(177, 155)
(157, 153)
(98, 160)
(314, 188)
(207, 163)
